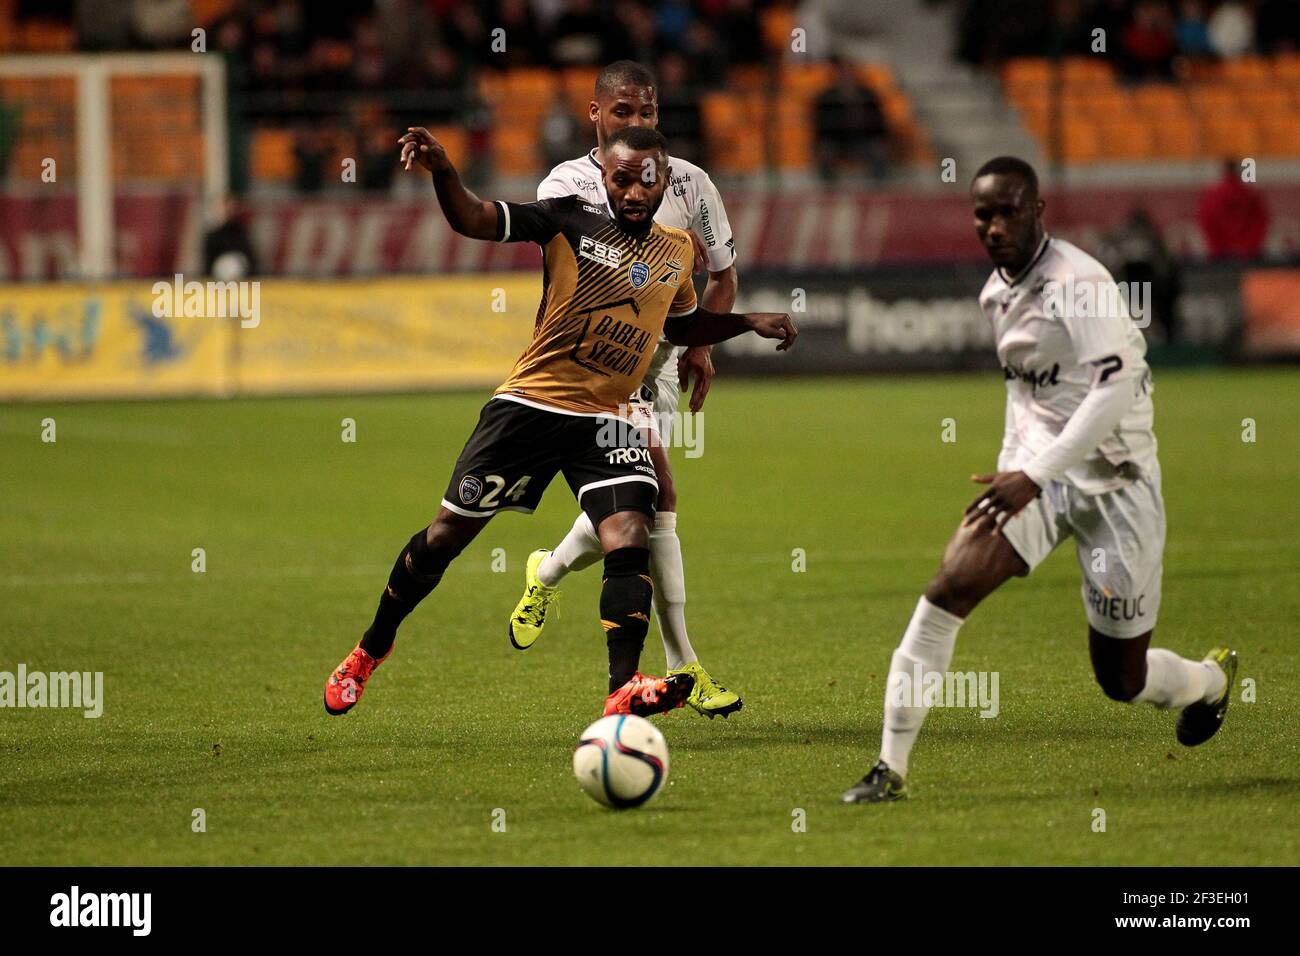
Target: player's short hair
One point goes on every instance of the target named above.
(639, 138)
(622, 73)
(1010, 166)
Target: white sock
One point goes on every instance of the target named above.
(929, 640)
(1174, 681)
(670, 589)
(579, 549)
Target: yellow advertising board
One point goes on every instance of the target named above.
(142, 339)
(452, 331)
(104, 341)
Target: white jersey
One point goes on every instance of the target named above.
(691, 202)
(1061, 327)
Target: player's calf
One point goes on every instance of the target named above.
(625, 597)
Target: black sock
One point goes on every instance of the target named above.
(417, 572)
(625, 596)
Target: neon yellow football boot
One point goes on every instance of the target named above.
(709, 697)
(529, 617)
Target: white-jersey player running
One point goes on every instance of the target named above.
(1078, 459)
(626, 95)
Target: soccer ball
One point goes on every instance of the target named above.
(621, 761)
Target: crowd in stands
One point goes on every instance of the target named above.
(1147, 38)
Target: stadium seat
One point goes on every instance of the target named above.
(1160, 99)
(1280, 135)
(778, 22)
(1125, 138)
(1229, 136)
(272, 158)
(1214, 99)
(1176, 136)
(732, 132)
(1027, 72)
(1081, 142)
(1262, 102)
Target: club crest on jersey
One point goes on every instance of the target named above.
(589, 248)
(470, 490)
(639, 274)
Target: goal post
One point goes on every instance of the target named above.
(140, 122)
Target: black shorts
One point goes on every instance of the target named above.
(516, 449)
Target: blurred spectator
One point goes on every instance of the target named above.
(1232, 29)
(851, 129)
(637, 35)
(311, 153)
(1277, 26)
(1135, 254)
(1191, 30)
(679, 111)
(562, 135)
(1233, 218)
(1148, 42)
(739, 26)
(102, 25)
(581, 35)
(525, 44)
(228, 253)
(162, 24)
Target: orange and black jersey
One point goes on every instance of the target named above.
(605, 297)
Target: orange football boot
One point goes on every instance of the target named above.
(644, 696)
(348, 682)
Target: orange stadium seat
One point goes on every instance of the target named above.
(778, 23)
(1224, 136)
(1286, 68)
(1280, 135)
(272, 158)
(1247, 69)
(1086, 71)
(1261, 102)
(1160, 99)
(1027, 71)
(1126, 139)
(1214, 99)
(455, 141)
(1176, 136)
(1082, 143)
(515, 149)
(734, 139)
(806, 79)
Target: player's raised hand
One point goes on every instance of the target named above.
(774, 325)
(699, 362)
(418, 145)
(1007, 495)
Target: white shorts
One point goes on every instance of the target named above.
(1120, 541)
(654, 404)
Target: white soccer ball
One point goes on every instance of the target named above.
(621, 761)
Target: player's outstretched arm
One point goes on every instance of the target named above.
(703, 327)
(465, 212)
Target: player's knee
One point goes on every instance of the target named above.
(953, 591)
(435, 548)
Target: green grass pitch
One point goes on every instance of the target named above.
(213, 680)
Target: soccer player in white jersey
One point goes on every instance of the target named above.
(1078, 458)
(626, 95)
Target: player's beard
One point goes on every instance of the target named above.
(637, 228)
